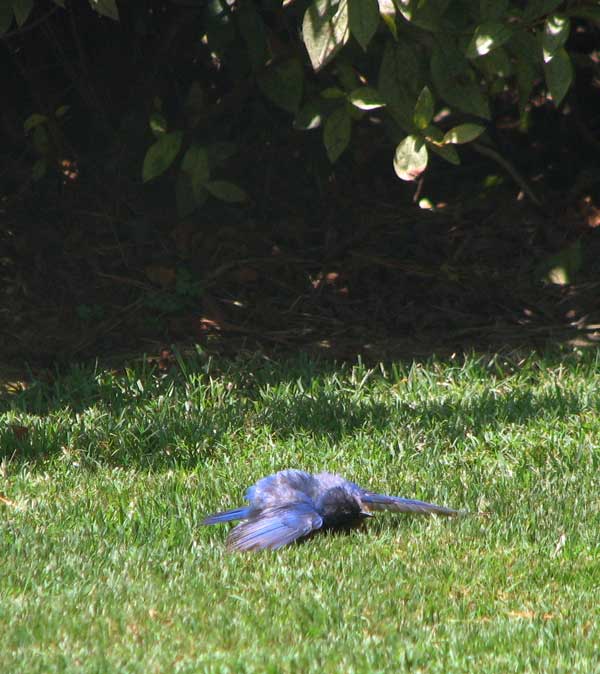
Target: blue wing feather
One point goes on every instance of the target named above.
(274, 527)
(403, 505)
(227, 516)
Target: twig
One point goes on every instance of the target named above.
(487, 151)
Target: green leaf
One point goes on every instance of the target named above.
(556, 32)
(34, 120)
(331, 93)
(254, 34)
(6, 17)
(336, 133)
(526, 76)
(194, 103)
(309, 117)
(158, 124)
(161, 155)
(447, 152)
(527, 64)
(363, 16)
(387, 11)
(433, 134)
(463, 133)
(559, 75)
(106, 8)
(325, 30)
(226, 191)
(590, 13)
(410, 158)
(488, 36)
(456, 81)
(497, 64)
(428, 14)
(22, 10)
(366, 98)
(399, 81)
(282, 83)
(536, 8)
(423, 113)
(41, 140)
(186, 200)
(220, 152)
(195, 164)
(563, 267)
(492, 10)
(38, 170)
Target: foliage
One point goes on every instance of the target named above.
(407, 66)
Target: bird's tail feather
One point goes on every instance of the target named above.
(226, 516)
(404, 505)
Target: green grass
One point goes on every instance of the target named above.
(104, 566)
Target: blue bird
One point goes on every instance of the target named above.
(292, 504)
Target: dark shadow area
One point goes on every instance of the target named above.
(176, 420)
(338, 260)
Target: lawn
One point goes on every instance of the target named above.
(106, 477)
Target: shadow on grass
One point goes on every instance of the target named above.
(142, 417)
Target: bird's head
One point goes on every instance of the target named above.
(341, 507)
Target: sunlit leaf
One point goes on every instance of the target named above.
(158, 124)
(488, 36)
(336, 133)
(463, 133)
(428, 15)
(366, 98)
(410, 158)
(161, 155)
(563, 267)
(559, 75)
(106, 8)
(363, 16)
(309, 116)
(423, 109)
(387, 11)
(556, 33)
(325, 30)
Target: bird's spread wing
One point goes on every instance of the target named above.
(403, 505)
(274, 527)
(226, 516)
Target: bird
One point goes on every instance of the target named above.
(292, 504)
